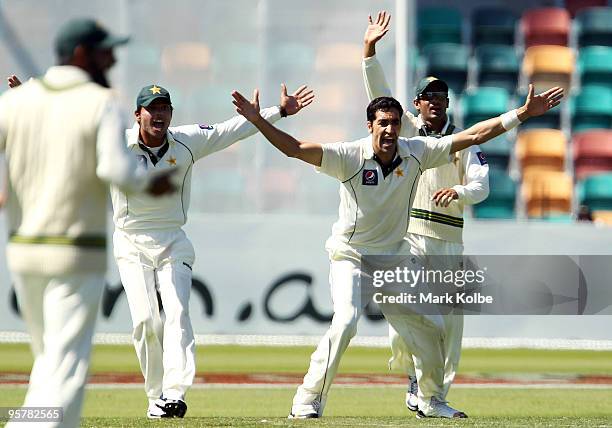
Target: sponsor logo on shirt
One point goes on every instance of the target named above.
(369, 177)
(209, 127)
(481, 158)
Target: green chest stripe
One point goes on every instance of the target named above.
(91, 241)
(436, 217)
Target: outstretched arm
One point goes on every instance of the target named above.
(535, 105)
(311, 153)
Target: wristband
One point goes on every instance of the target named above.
(283, 112)
(510, 120)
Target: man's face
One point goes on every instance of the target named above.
(432, 105)
(385, 130)
(99, 62)
(155, 119)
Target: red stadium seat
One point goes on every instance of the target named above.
(573, 6)
(592, 152)
(546, 26)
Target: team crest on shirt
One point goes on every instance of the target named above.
(369, 177)
(481, 158)
(209, 127)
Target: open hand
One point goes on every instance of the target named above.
(537, 105)
(444, 197)
(376, 30)
(249, 109)
(296, 101)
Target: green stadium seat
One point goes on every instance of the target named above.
(592, 108)
(449, 62)
(497, 152)
(501, 200)
(439, 25)
(498, 66)
(595, 65)
(546, 26)
(493, 25)
(484, 103)
(594, 26)
(596, 192)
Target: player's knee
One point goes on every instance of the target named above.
(347, 325)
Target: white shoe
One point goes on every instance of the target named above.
(306, 411)
(439, 409)
(412, 400)
(157, 409)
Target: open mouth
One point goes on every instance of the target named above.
(387, 142)
(158, 124)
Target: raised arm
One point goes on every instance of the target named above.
(311, 153)
(535, 105)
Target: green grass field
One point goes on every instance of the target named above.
(347, 407)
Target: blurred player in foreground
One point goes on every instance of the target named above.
(152, 251)
(379, 174)
(64, 142)
(435, 231)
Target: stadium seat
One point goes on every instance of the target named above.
(498, 66)
(483, 103)
(595, 65)
(594, 26)
(449, 62)
(497, 152)
(339, 57)
(592, 108)
(592, 152)
(501, 200)
(541, 150)
(546, 26)
(439, 25)
(597, 192)
(493, 25)
(574, 6)
(602, 217)
(549, 120)
(547, 193)
(548, 66)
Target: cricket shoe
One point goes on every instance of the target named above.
(411, 395)
(157, 409)
(306, 411)
(175, 408)
(439, 409)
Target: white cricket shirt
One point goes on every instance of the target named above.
(374, 209)
(186, 144)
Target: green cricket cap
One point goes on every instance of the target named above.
(87, 32)
(150, 93)
(430, 84)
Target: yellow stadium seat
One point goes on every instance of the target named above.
(602, 217)
(547, 66)
(547, 192)
(542, 149)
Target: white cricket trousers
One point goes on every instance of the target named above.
(441, 255)
(60, 314)
(161, 262)
(348, 300)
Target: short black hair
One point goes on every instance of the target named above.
(383, 104)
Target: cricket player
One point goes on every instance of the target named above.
(63, 137)
(378, 176)
(152, 251)
(436, 218)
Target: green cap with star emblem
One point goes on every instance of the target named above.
(150, 93)
(430, 84)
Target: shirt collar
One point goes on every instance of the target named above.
(403, 148)
(64, 76)
(421, 123)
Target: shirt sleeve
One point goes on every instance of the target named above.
(3, 125)
(436, 151)
(476, 187)
(376, 86)
(204, 140)
(339, 161)
(116, 165)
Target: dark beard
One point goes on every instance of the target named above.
(99, 77)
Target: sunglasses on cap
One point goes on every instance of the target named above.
(430, 96)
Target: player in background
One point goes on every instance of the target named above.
(435, 231)
(378, 174)
(63, 136)
(151, 249)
